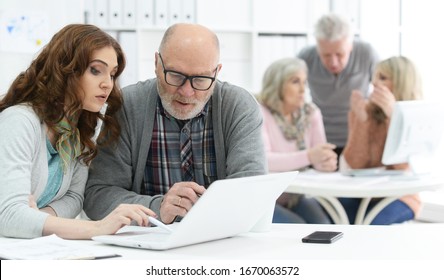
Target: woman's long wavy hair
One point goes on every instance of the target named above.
(406, 81)
(51, 85)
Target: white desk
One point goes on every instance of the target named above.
(326, 187)
(360, 242)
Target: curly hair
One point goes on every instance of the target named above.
(51, 85)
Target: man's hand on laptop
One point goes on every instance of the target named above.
(179, 200)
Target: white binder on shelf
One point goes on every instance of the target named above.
(288, 46)
(115, 13)
(114, 34)
(145, 13)
(300, 43)
(100, 17)
(189, 10)
(128, 41)
(129, 14)
(161, 13)
(175, 11)
(265, 53)
(89, 12)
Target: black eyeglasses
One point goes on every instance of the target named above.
(177, 79)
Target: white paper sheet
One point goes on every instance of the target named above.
(52, 248)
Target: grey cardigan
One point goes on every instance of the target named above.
(116, 174)
(24, 171)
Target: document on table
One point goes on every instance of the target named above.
(313, 177)
(52, 248)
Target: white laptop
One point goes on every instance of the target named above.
(414, 137)
(227, 208)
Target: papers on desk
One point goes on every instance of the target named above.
(377, 171)
(313, 177)
(52, 248)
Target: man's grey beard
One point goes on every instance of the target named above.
(166, 103)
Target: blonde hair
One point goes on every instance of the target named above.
(405, 78)
(274, 78)
(404, 75)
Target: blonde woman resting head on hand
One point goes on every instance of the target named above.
(47, 126)
(395, 79)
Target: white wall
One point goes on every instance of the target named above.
(411, 28)
(422, 41)
(379, 25)
(58, 12)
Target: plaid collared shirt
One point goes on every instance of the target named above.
(163, 166)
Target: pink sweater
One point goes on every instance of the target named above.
(282, 154)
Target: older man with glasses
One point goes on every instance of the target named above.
(181, 131)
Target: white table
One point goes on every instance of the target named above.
(407, 251)
(327, 187)
(283, 242)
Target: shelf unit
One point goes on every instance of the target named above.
(252, 33)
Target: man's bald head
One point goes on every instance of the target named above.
(187, 37)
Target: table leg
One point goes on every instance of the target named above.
(360, 215)
(377, 208)
(334, 208)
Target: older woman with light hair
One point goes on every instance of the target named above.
(395, 79)
(294, 136)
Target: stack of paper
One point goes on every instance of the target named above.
(313, 177)
(52, 248)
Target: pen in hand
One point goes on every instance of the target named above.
(158, 223)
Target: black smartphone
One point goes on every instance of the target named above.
(324, 237)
